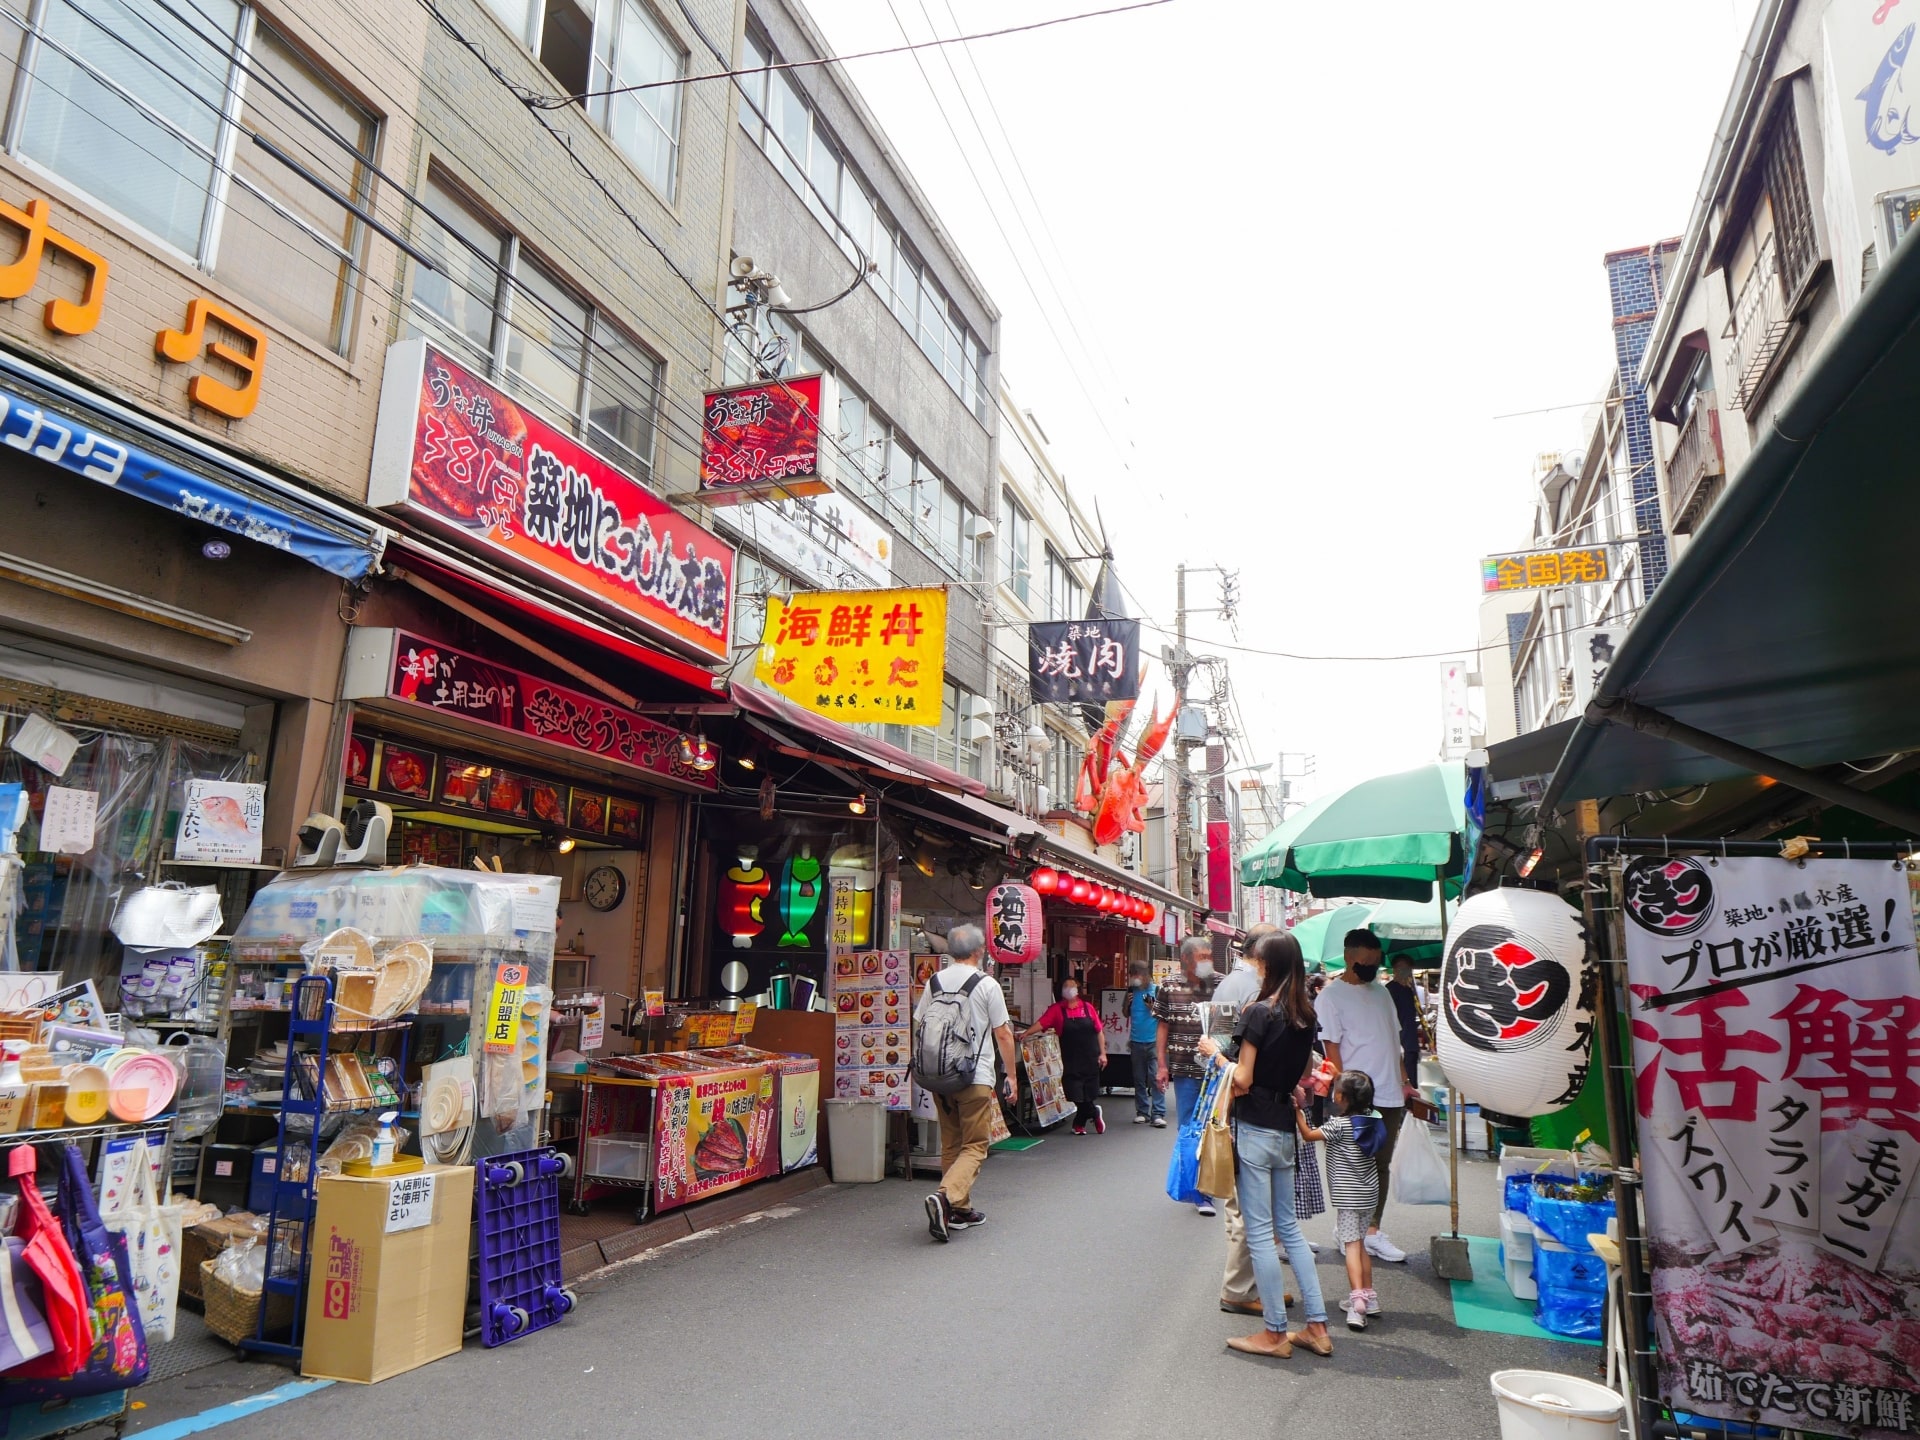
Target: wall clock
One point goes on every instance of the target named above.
(605, 887)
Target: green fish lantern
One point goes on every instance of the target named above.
(799, 896)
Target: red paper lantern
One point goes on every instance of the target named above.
(1102, 899)
(1044, 881)
(1110, 901)
(1013, 924)
(1147, 912)
(1080, 891)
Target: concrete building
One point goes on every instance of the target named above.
(1811, 179)
(818, 194)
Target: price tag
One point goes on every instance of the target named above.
(593, 1026)
(503, 1007)
(410, 1203)
(743, 1018)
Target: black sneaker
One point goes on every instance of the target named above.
(939, 1216)
(965, 1219)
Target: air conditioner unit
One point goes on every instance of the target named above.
(976, 731)
(1042, 799)
(979, 707)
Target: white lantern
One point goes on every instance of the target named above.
(1515, 1017)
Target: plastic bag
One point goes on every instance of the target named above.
(1419, 1176)
(1184, 1167)
(1577, 1314)
(1569, 1221)
(243, 1266)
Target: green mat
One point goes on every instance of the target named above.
(1485, 1303)
(1017, 1143)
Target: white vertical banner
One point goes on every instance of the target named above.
(1456, 725)
(1775, 1014)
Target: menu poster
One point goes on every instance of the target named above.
(1774, 1013)
(222, 821)
(67, 820)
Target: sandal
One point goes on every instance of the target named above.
(1322, 1346)
(1270, 1343)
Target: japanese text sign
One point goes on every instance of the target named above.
(456, 451)
(221, 821)
(872, 655)
(432, 676)
(763, 438)
(1084, 661)
(1013, 924)
(410, 1203)
(504, 1006)
(1776, 1035)
(1544, 569)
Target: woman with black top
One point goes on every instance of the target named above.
(1276, 1046)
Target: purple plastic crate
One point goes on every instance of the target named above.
(517, 1204)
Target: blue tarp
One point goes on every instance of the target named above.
(67, 437)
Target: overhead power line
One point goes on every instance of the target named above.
(557, 102)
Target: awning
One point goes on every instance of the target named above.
(1780, 629)
(91, 437)
(876, 755)
(478, 582)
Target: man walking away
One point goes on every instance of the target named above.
(1239, 1294)
(1177, 1008)
(1360, 1028)
(1149, 1100)
(961, 1016)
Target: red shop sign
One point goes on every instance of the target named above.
(432, 676)
(455, 451)
(763, 439)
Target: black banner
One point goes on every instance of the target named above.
(1084, 661)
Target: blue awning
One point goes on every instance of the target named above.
(94, 438)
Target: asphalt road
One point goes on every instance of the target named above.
(1087, 1306)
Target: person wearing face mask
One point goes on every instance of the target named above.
(1083, 1052)
(1360, 1028)
(1182, 1022)
(1149, 1099)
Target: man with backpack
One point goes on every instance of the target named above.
(960, 1018)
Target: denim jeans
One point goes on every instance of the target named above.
(1266, 1203)
(1148, 1098)
(1186, 1095)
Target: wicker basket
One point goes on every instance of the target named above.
(234, 1315)
(22, 1025)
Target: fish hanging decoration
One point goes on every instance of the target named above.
(799, 897)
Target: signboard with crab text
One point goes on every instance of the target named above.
(453, 450)
(424, 674)
(1775, 1015)
(853, 655)
(763, 438)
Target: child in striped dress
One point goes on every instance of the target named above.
(1353, 1137)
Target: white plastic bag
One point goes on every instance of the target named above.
(1419, 1175)
(153, 1245)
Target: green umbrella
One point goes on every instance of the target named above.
(1387, 837)
(1321, 935)
(1405, 927)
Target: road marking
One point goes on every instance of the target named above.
(238, 1410)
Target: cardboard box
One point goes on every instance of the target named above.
(388, 1288)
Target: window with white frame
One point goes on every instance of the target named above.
(133, 103)
(775, 111)
(619, 60)
(1066, 597)
(496, 308)
(1016, 540)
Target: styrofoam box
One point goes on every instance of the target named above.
(1535, 1160)
(620, 1155)
(1519, 1270)
(1516, 1234)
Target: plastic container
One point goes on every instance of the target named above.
(1540, 1405)
(857, 1140)
(518, 1244)
(1519, 1275)
(619, 1155)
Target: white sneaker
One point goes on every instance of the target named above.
(1205, 1207)
(1373, 1302)
(1381, 1248)
(1356, 1308)
(1139, 1119)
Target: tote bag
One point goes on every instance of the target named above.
(1214, 1171)
(118, 1359)
(47, 1254)
(152, 1234)
(1183, 1167)
(23, 1320)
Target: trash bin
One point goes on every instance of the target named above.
(1540, 1405)
(857, 1138)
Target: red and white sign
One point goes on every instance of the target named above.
(455, 451)
(765, 439)
(1013, 924)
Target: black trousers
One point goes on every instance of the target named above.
(1083, 1090)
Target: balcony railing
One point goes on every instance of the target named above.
(1697, 468)
(1758, 327)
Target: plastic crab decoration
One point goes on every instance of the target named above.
(1113, 789)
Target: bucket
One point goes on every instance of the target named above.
(857, 1140)
(1540, 1405)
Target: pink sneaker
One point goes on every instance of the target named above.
(1099, 1122)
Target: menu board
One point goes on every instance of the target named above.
(873, 1026)
(1041, 1055)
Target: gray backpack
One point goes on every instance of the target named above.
(946, 1052)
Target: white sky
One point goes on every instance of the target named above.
(1314, 249)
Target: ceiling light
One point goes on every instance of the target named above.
(858, 804)
(567, 842)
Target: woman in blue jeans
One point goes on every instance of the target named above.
(1276, 1045)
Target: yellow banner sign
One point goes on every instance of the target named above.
(872, 655)
(504, 1007)
(1544, 569)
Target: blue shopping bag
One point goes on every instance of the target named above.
(1183, 1166)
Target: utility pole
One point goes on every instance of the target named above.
(1182, 813)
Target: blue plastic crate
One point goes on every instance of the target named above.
(517, 1221)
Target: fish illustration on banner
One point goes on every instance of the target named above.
(1889, 113)
(799, 897)
(743, 893)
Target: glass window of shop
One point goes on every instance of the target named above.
(138, 772)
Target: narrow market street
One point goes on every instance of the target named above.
(1087, 1306)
